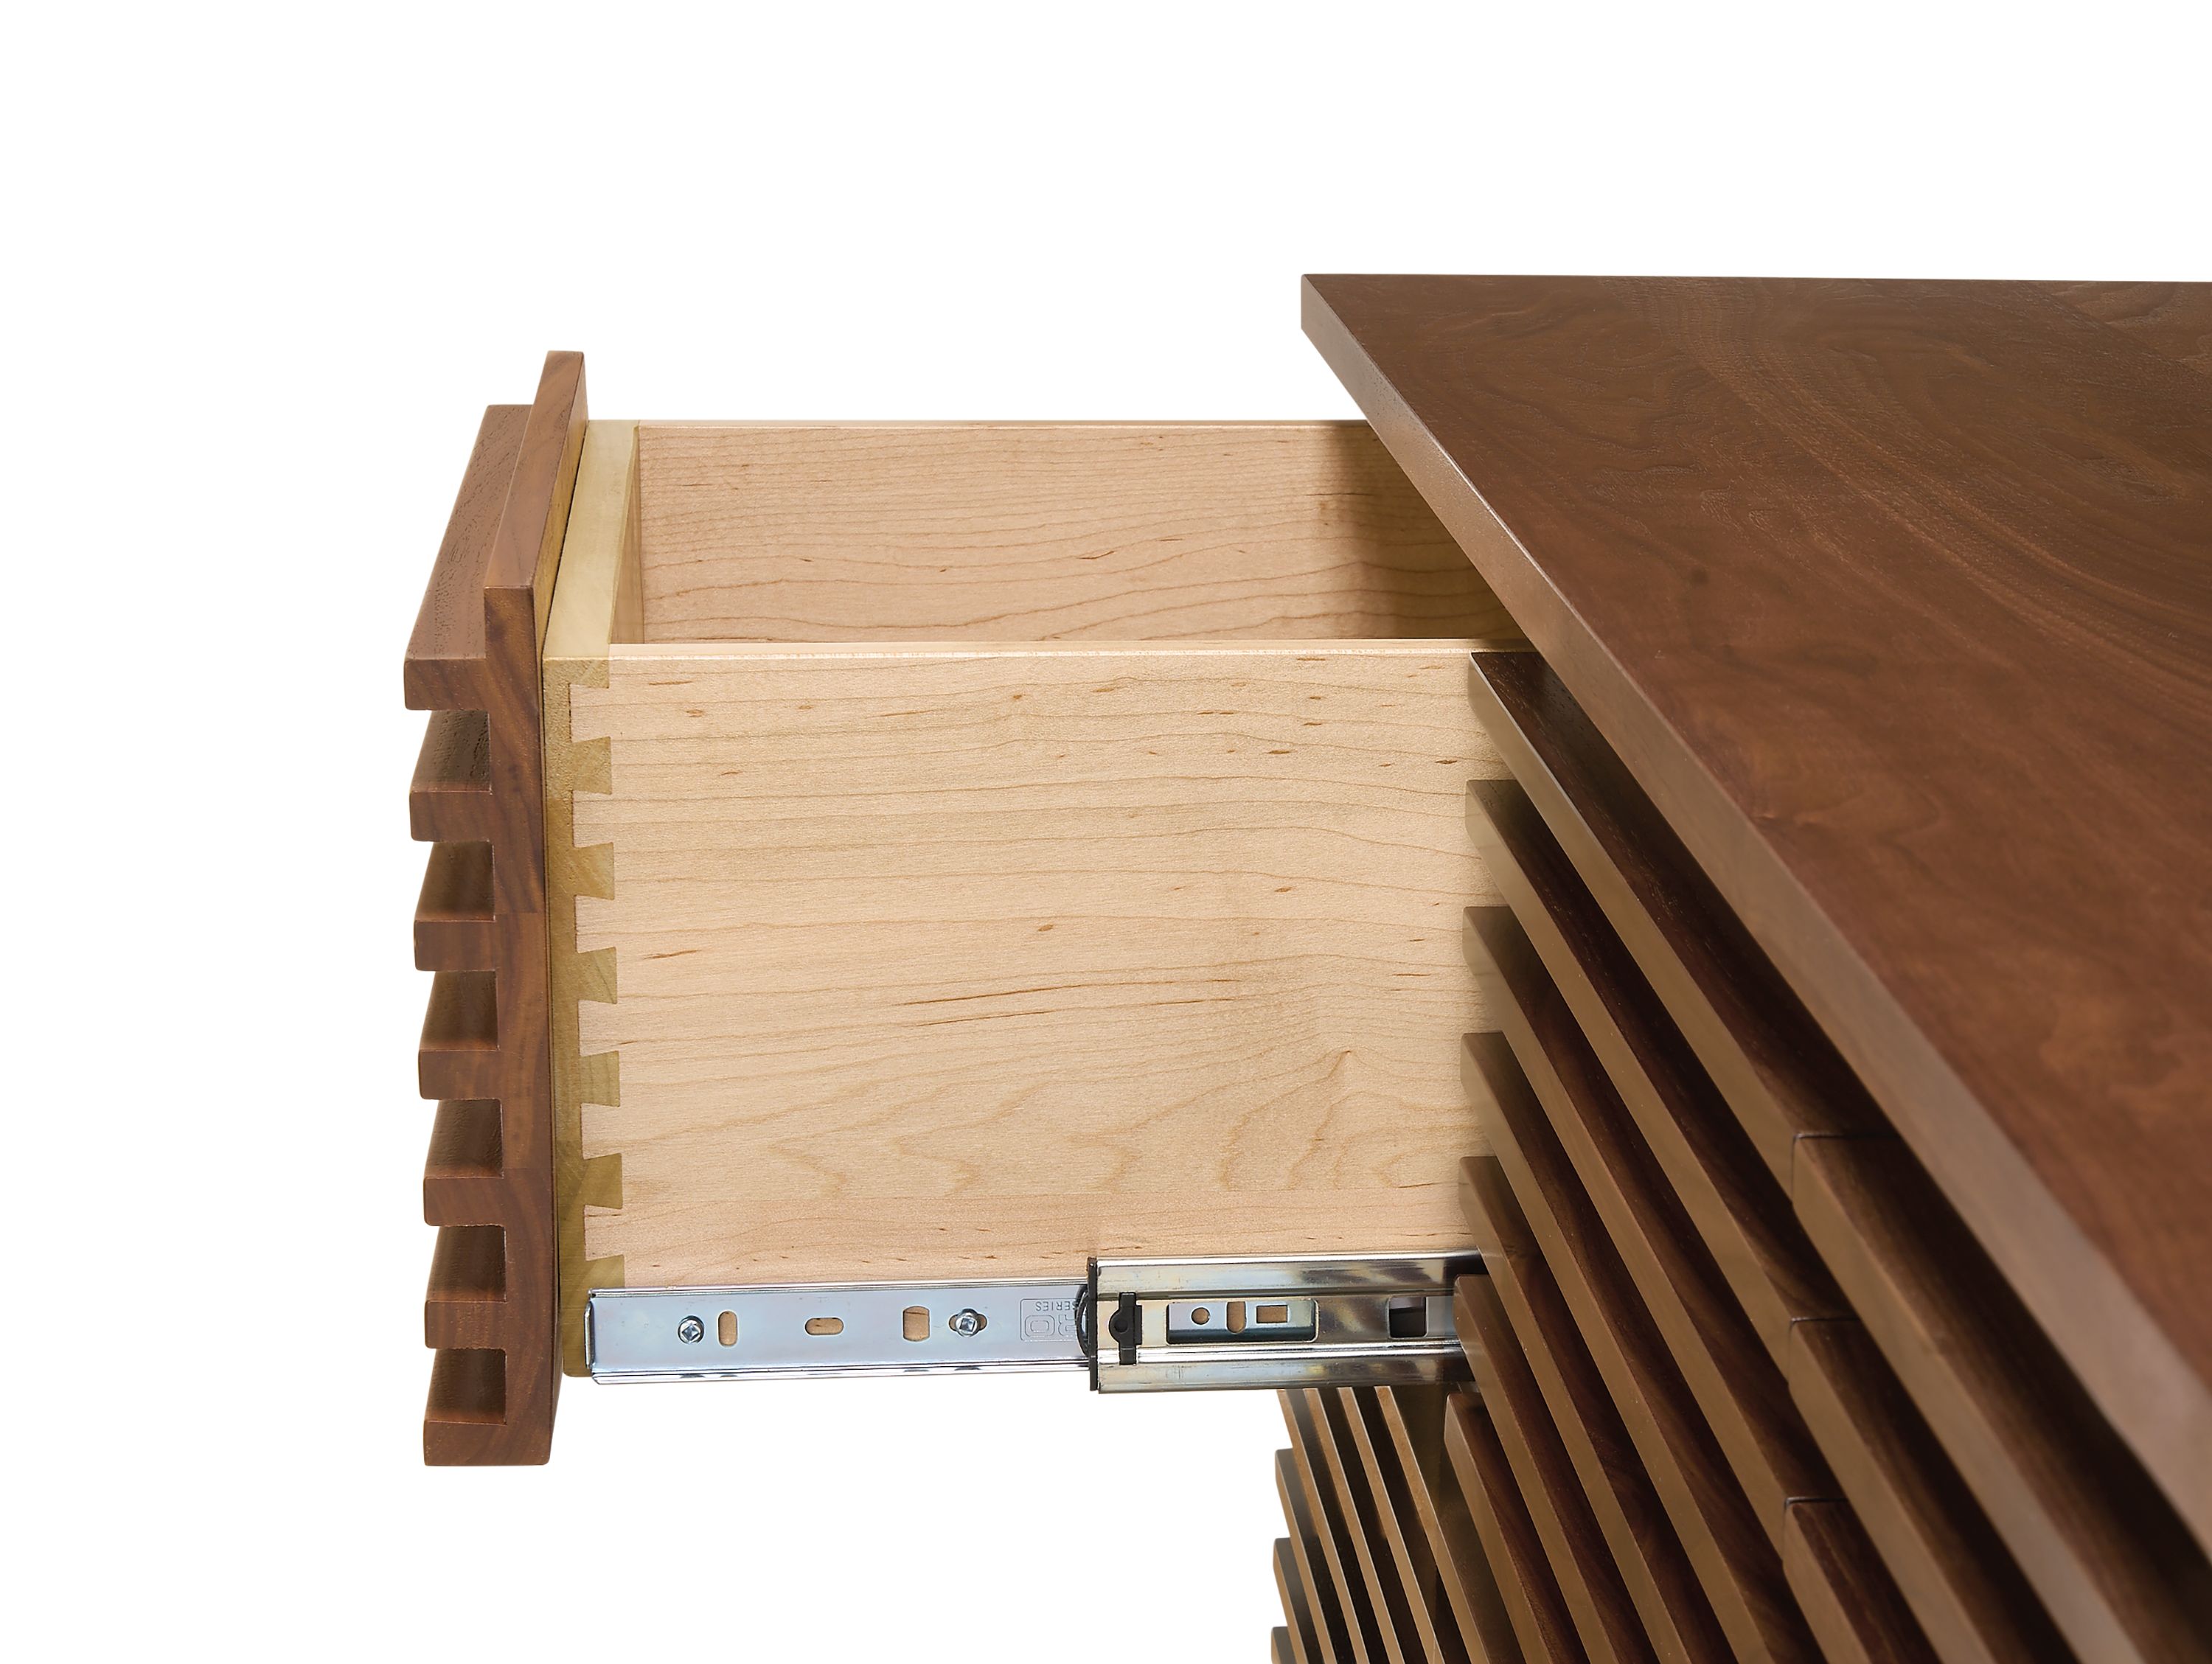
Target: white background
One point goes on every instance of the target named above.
(264, 271)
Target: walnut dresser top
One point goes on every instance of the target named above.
(1896, 598)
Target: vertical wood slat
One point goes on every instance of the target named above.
(472, 661)
(1339, 1461)
(1392, 1484)
(1301, 1634)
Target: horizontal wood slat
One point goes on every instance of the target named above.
(446, 652)
(1337, 1526)
(2112, 1561)
(449, 800)
(1524, 1574)
(1325, 1608)
(1736, 1559)
(1589, 1581)
(1737, 1387)
(1470, 1590)
(466, 1305)
(1953, 1570)
(454, 927)
(1657, 1574)
(1741, 1211)
(1300, 1637)
(1848, 1600)
(460, 1054)
(1771, 1063)
(461, 1175)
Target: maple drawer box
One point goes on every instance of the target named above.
(974, 847)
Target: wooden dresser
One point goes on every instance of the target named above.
(1685, 869)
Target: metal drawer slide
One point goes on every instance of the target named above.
(1135, 1325)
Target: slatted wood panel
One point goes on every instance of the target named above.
(1736, 1561)
(1657, 1572)
(1337, 1529)
(1531, 1588)
(1324, 1621)
(1416, 1420)
(1741, 1212)
(1386, 1557)
(1591, 1582)
(1864, 1446)
(478, 796)
(1735, 1384)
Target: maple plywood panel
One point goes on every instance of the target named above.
(943, 961)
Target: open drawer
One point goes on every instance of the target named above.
(977, 849)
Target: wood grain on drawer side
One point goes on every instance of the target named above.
(1042, 532)
(973, 961)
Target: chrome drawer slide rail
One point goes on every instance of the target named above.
(1135, 1325)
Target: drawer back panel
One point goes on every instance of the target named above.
(1041, 531)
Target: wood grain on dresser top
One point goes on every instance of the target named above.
(1897, 599)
